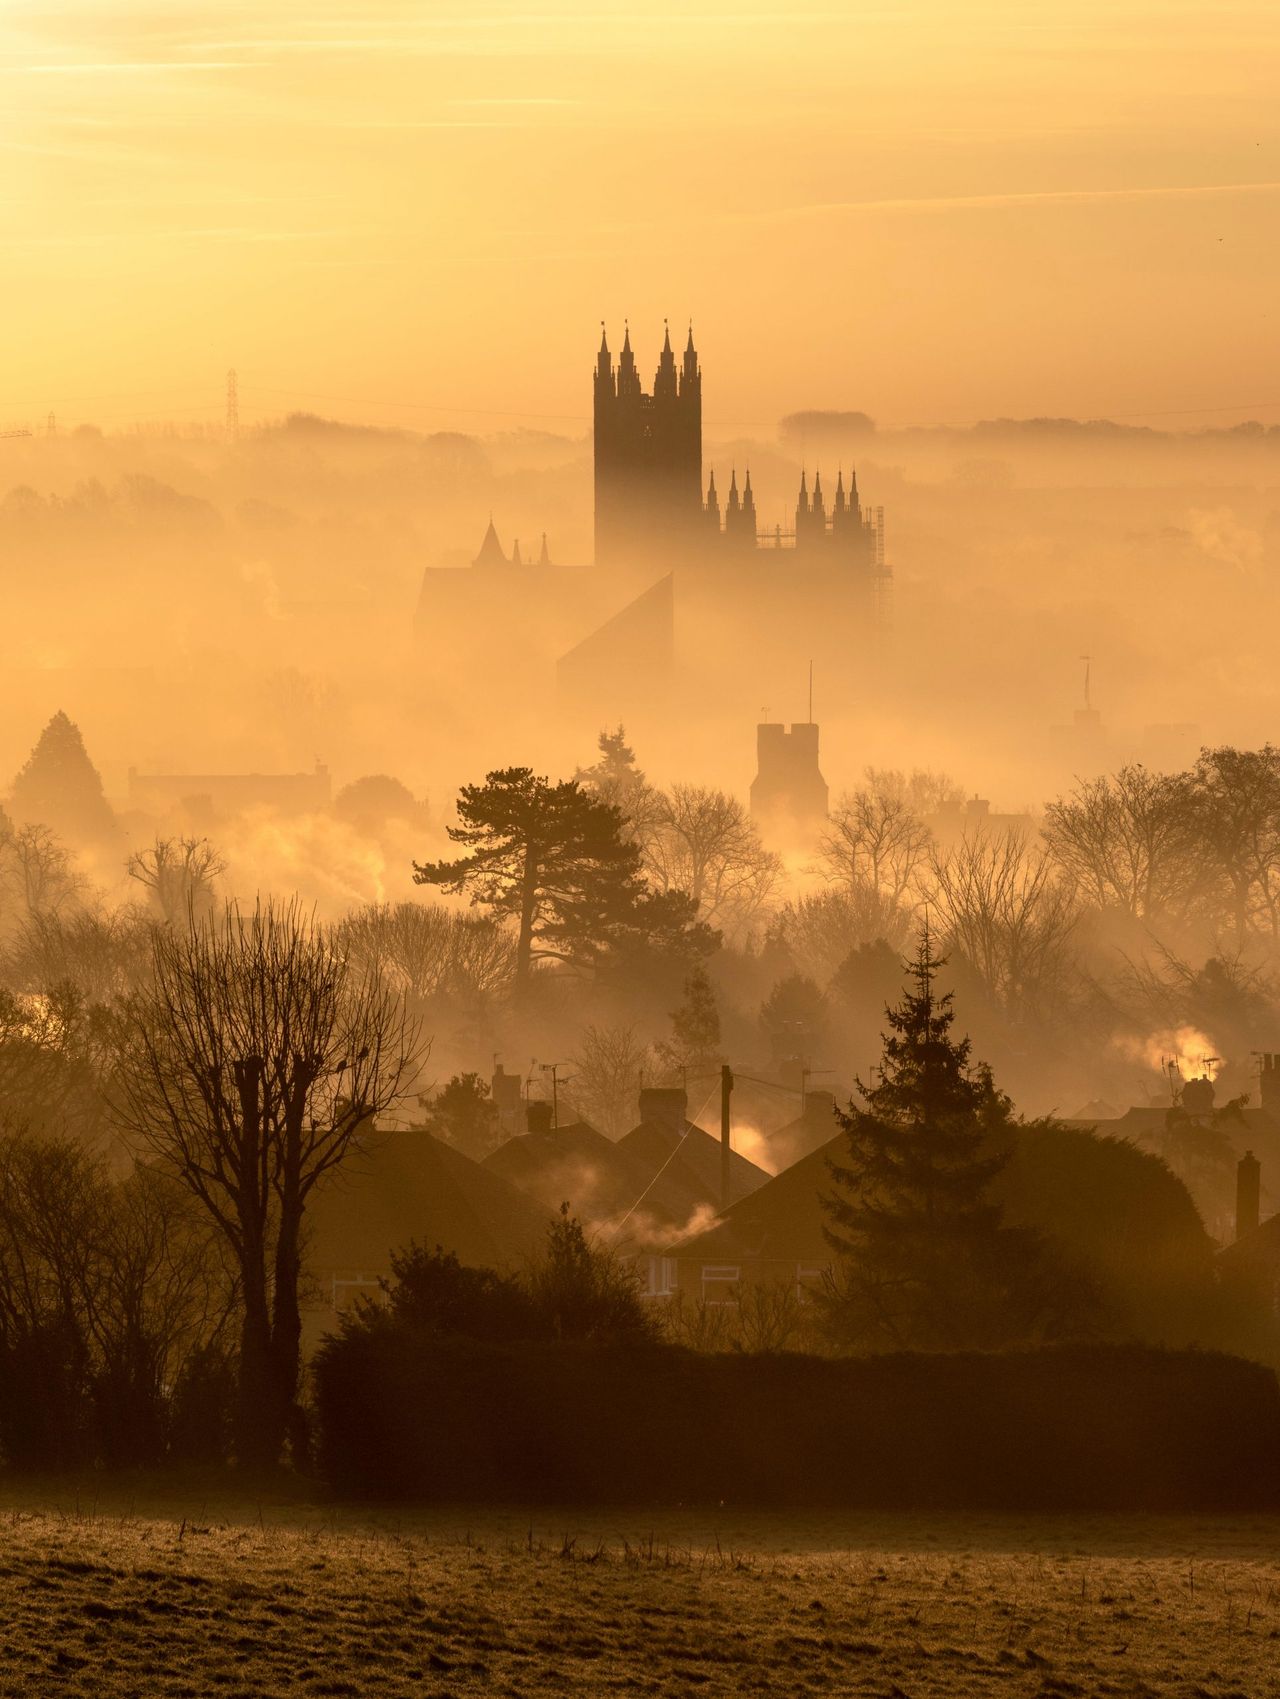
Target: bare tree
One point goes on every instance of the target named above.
(822, 927)
(1003, 907)
(114, 1283)
(428, 950)
(876, 838)
(37, 875)
(102, 953)
(179, 875)
(1130, 841)
(1237, 813)
(257, 1054)
(608, 1068)
(705, 843)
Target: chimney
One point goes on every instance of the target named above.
(537, 1115)
(505, 1090)
(1248, 1195)
(820, 1108)
(1269, 1080)
(668, 1106)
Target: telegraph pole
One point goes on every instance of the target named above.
(726, 1149)
(553, 1068)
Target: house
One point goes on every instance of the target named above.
(1251, 1262)
(1202, 1139)
(406, 1185)
(677, 1152)
(603, 1184)
(642, 1189)
(815, 1125)
(1116, 1215)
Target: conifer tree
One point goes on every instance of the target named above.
(695, 1028)
(60, 787)
(555, 860)
(615, 773)
(924, 1258)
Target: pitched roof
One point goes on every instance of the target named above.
(1102, 1197)
(406, 1184)
(576, 1165)
(1261, 1248)
(691, 1159)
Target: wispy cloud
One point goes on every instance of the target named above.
(1019, 197)
(132, 67)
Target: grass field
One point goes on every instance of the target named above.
(186, 1591)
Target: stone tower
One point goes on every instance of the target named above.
(648, 457)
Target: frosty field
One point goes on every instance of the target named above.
(173, 1593)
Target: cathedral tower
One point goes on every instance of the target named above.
(648, 456)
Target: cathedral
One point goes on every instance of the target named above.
(675, 562)
(648, 479)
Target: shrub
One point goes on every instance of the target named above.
(1064, 1428)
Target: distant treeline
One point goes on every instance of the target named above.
(1073, 1428)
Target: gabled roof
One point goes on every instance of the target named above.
(1259, 1248)
(693, 1159)
(406, 1184)
(781, 1220)
(1103, 1197)
(579, 1166)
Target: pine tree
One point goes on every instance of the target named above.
(924, 1259)
(615, 773)
(694, 1044)
(60, 787)
(464, 1115)
(555, 859)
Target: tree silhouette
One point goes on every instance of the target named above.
(255, 1058)
(695, 1028)
(60, 787)
(923, 1257)
(615, 771)
(179, 874)
(463, 1114)
(554, 859)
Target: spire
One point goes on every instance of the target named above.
(712, 505)
(802, 511)
(491, 552)
(734, 506)
(689, 369)
(749, 504)
(604, 367)
(628, 377)
(665, 382)
(544, 558)
(515, 553)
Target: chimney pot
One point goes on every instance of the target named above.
(1248, 1195)
(667, 1105)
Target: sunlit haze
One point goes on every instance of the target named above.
(417, 213)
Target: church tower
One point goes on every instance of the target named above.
(648, 457)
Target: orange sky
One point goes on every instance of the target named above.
(419, 212)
